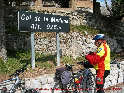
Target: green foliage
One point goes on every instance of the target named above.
(17, 59)
(84, 29)
(45, 60)
(68, 60)
(80, 58)
(44, 57)
(10, 66)
(13, 64)
(46, 65)
(3, 68)
(23, 55)
(115, 56)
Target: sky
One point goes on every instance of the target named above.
(102, 2)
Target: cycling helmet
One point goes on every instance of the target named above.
(98, 36)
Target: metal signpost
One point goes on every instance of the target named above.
(32, 50)
(58, 48)
(39, 22)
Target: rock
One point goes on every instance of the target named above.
(116, 76)
(33, 83)
(107, 84)
(120, 80)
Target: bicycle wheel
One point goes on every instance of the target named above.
(4, 90)
(88, 84)
(71, 87)
(74, 87)
(31, 91)
(13, 89)
(58, 88)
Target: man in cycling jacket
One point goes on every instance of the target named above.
(100, 60)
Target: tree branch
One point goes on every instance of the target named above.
(108, 7)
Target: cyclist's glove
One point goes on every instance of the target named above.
(99, 80)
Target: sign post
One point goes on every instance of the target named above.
(32, 50)
(58, 48)
(39, 22)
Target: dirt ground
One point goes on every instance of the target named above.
(3, 77)
(29, 73)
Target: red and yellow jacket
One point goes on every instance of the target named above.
(100, 60)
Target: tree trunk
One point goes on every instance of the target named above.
(94, 6)
(2, 32)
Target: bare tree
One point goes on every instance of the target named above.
(2, 32)
(108, 8)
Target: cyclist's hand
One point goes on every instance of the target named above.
(91, 52)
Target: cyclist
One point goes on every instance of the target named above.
(100, 60)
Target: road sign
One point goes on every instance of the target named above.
(39, 22)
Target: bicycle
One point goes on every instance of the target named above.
(17, 84)
(82, 81)
(88, 84)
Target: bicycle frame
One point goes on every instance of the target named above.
(86, 82)
(17, 81)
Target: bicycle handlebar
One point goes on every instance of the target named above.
(69, 67)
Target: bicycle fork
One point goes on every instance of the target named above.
(13, 88)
